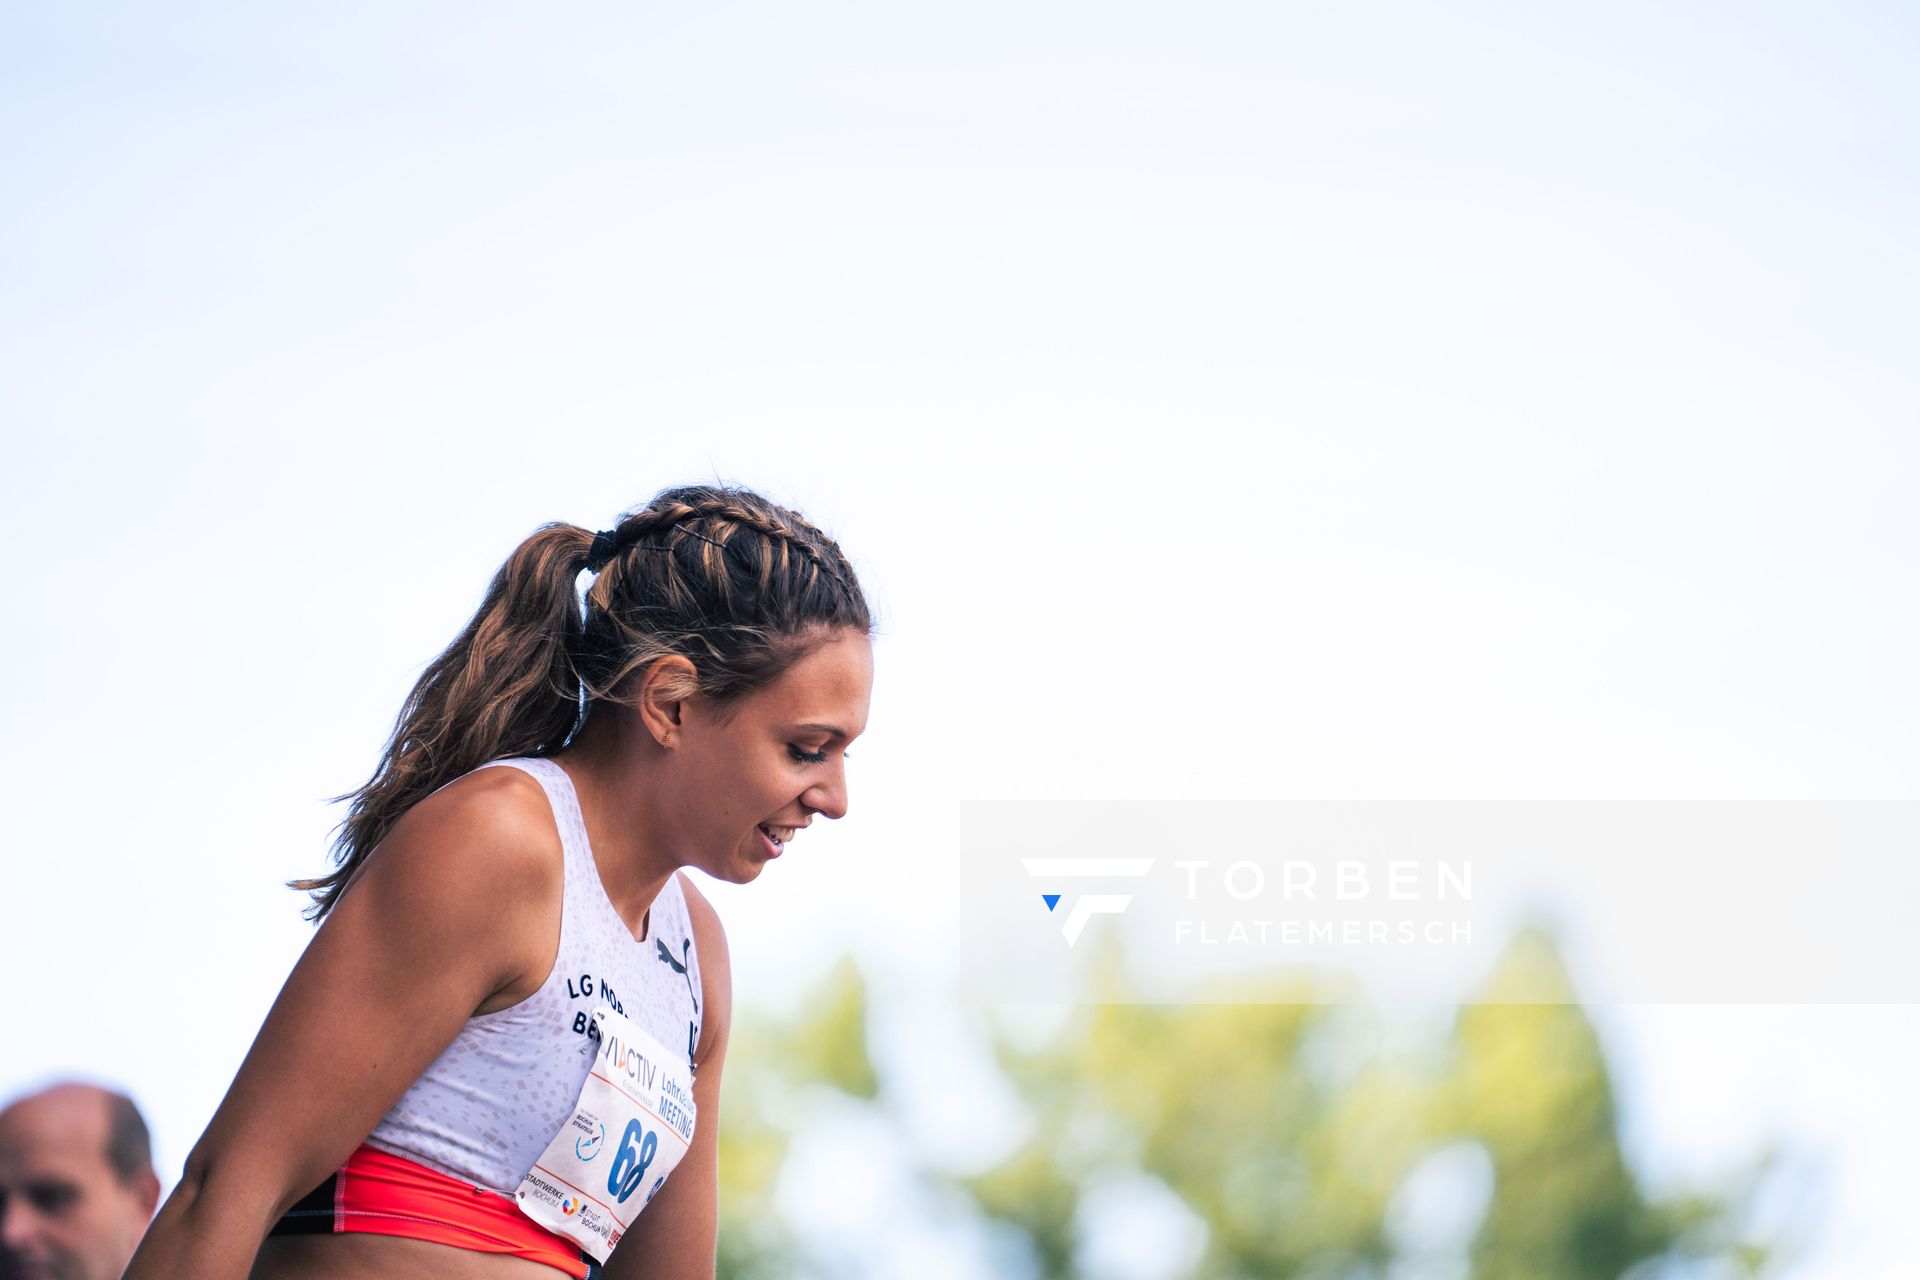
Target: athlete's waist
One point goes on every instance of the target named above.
(360, 1255)
(378, 1193)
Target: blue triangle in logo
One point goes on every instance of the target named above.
(1051, 899)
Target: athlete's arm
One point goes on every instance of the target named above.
(458, 908)
(675, 1236)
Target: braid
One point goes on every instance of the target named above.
(741, 596)
(788, 530)
(524, 675)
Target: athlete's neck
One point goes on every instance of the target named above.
(613, 764)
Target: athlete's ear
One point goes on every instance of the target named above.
(665, 688)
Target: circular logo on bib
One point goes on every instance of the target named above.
(569, 1206)
(588, 1145)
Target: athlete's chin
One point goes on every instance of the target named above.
(742, 869)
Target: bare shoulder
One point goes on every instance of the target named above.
(471, 877)
(709, 935)
(489, 835)
(716, 971)
(458, 906)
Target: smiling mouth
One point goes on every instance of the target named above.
(776, 838)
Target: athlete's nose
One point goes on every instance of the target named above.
(829, 797)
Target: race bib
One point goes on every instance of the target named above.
(632, 1125)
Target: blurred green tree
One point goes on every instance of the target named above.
(1529, 1082)
(772, 1065)
(1285, 1132)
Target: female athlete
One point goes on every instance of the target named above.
(500, 1055)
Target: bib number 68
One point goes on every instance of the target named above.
(630, 1161)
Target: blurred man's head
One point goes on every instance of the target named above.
(77, 1186)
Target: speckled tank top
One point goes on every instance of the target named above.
(488, 1105)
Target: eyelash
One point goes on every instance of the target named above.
(812, 757)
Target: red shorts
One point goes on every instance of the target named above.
(387, 1195)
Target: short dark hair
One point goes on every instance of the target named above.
(129, 1146)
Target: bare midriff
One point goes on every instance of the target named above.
(353, 1255)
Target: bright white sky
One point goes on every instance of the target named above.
(1221, 400)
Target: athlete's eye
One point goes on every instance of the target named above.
(807, 757)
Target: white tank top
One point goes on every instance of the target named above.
(488, 1105)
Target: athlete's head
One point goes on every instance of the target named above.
(77, 1186)
(709, 596)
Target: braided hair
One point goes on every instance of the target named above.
(736, 584)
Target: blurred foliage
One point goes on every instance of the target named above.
(770, 1065)
(828, 1044)
(1289, 1136)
